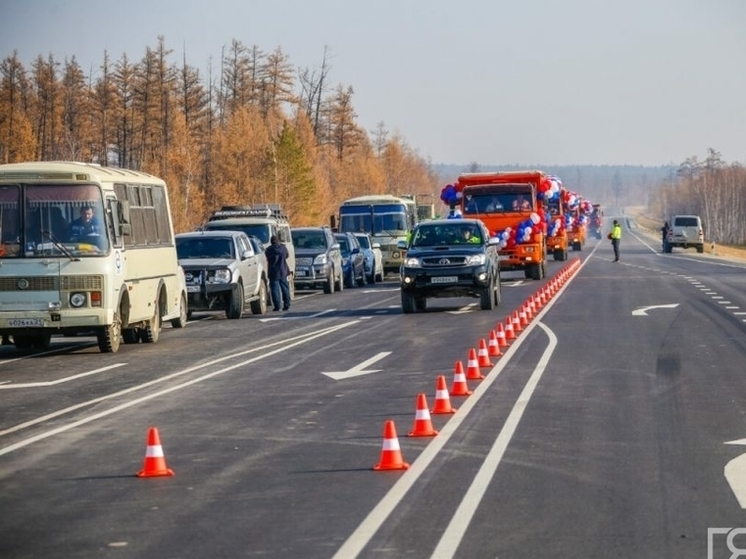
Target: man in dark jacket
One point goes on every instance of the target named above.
(277, 262)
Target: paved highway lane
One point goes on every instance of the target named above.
(598, 433)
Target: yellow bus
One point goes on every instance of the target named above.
(85, 248)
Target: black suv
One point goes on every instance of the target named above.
(450, 258)
(318, 260)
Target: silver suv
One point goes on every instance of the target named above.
(685, 231)
(318, 261)
(224, 270)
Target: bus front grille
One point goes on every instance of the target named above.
(52, 283)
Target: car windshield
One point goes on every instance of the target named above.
(364, 242)
(204, 248)
(446, 235)
(344, 245)
(261, 231)
(309, 239)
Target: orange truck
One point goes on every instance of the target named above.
(513, 206)
(557, 242)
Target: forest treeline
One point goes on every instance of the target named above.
(260, 131)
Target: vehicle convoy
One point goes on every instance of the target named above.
(225, 271)
(685, 231)
(85, 248)
(386, 218)
(513, 207)
(450, 258)
(258, 220)
(318, 264)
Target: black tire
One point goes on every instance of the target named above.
(181, 322)
(408, 305)
(236, 305)
(349, 280)
(379, 277)
(109, 337)
(363, 280)
(420, 303)
(487, 297)
(259, 305)
(498, 291)
(329, 286)
(371, 278)
(152, 331)
(534, 271)
(700, 249)
(339, 282)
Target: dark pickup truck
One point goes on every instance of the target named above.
(450, 258)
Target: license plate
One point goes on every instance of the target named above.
(300, 273)
(444, 279)
(193, 288)
(503, 257)
(26, 322)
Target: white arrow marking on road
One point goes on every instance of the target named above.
(643, 311)
(735, 474)
(515, 283)
(359, 370)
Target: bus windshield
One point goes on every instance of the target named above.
(374, 219)
(56, 220)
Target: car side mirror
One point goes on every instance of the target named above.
(246, 254)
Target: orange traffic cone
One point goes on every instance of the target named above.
(472, 367)
(155, 461)
(522, 316)
(483, 355)
(459, 387)
(500, 335)
(423, 425)
(493, 348)
(442, 401)
(516, 323)
(391, 457)
(509, 332)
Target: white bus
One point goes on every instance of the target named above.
(387, 218)
(115, 275)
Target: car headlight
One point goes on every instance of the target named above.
(413, 263)
(476, 259)
(77, 299)
(320, 259)
(223, 275)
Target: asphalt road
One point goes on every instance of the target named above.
(601, 431)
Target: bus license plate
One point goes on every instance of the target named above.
(444, 279)
(26, 322)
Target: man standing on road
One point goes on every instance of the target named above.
(616, 237)
(277, 262)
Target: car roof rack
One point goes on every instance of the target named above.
(256, 210)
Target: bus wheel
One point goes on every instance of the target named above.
(181, 322)
(152, 331)
(110, 337)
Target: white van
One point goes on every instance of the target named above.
(686, 231)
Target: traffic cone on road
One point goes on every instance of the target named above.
(472, 366)
(493, 348)
(500, 335)
(459, 386)
(442, 401)
(516, 321)
(423, 425)
(509, 332)
(155, 462)
(391, 456)
(483, 356)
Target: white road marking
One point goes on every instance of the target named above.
(61, 380)
(359, 369)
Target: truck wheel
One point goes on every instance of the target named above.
(259, 305)
(407, 303)
(700, 248)
(329, 285)
(487, 297)
(181, 322)
(235, 308)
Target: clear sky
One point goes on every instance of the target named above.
(563, 82)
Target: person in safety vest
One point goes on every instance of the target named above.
(616, 236)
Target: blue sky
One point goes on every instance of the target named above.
(647, 82)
